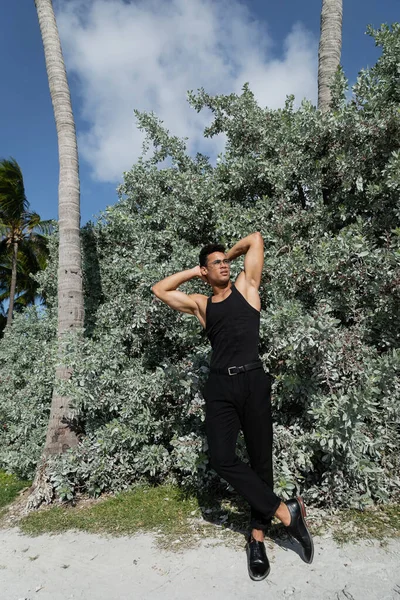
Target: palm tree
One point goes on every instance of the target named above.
(21, 244)
(32, 257)
(60, 433)
(330, 49)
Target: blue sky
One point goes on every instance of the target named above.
(122, 55)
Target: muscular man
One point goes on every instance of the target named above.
(237, 392)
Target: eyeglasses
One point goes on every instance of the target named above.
(218, 262)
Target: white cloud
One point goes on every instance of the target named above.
(147, 54)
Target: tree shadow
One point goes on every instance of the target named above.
(224, 509)
(227, 510)
(92, 284)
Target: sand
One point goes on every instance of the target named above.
(83, 566)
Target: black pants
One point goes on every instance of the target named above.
(235, 402)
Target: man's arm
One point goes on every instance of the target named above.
(166, 290)
(253, 247)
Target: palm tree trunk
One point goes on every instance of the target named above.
(60, 435)
(330, 49)
(13, 283)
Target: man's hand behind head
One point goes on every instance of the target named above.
(200, 274)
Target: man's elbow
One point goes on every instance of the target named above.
(155, 290)
(258, 237)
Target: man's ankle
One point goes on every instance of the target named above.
(257, 535)
(283, 514)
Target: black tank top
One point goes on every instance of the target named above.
(232, 326)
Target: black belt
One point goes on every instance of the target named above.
(236, 370)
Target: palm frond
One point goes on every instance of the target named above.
(4, 248)
(45, 227)
(13, 202)
(33, 253)
(31, 220)
(32, 257)
(4, 229)
(25, 299)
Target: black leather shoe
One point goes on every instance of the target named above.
(298, 527)
(257, 560)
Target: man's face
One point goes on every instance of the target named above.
(217, 269)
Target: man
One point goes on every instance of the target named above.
(237, 392)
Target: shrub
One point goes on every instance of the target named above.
(323, 191)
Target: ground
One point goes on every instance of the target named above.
(155, 542)
(83, 566)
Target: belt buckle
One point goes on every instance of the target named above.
(229, 370)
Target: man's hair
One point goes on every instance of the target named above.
(209, 249)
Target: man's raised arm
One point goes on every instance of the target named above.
(253, 247)
(166, 290)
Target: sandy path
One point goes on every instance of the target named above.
(82, 566)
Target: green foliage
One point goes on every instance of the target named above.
(323, 191)
(27, 363)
